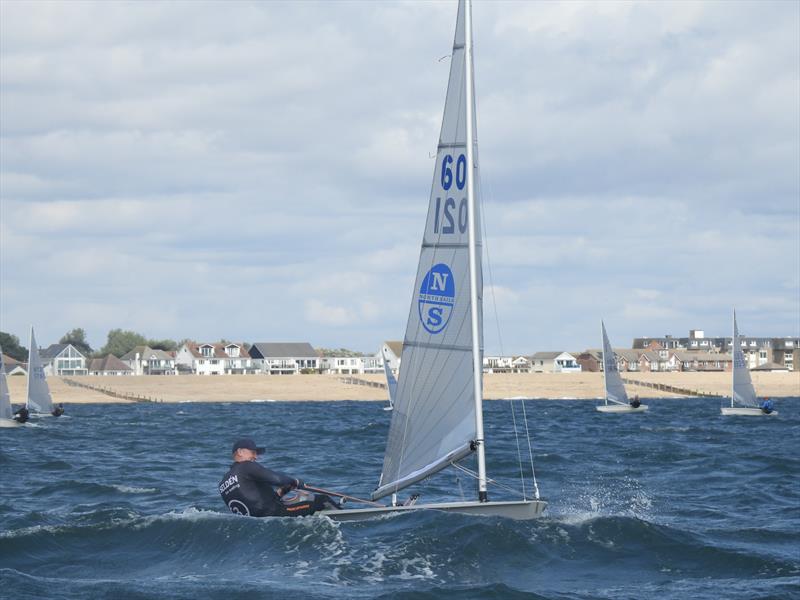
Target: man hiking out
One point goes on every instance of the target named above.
(252, 490)
(21, 415)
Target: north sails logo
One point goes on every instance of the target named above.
(436, 298)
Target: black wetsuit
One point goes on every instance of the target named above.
(22, 415)
(248, 489)
(58, 411)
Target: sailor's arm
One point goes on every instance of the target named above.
(275, 478)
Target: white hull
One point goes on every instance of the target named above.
(621, 408)
(518, 510)
(746, 412)
(9, 423)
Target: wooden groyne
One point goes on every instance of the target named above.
(111, 393)
(670, 388)
(358, 381)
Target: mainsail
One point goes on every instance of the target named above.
(38, 392)
(434, 417)
(5, 398)
(743, 393)
(391, 382)
(615, 390)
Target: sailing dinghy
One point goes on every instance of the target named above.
(744, 401)
(616, 400)
(6, 413)
(437, 418)
(38, 399)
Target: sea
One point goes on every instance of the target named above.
(121, 501)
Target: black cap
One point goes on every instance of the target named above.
(247, 444)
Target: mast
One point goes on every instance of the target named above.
(28, 377)
(477, 363)
(734, 345)
(605, 381)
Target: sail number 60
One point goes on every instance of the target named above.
(447, 172)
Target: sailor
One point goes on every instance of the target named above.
(252, 490)
(58, 410)
(635, 402)
(21, 415)
(767, 406)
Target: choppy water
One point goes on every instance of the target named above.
(121, 502)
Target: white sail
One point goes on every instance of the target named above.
(38, 391)
(615, 389)
(743, 393)
(434, 416)
(5, 397)
(391, 382)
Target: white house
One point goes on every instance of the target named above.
(203, 358)
(554, 362)
(393, 351)
(109, 365)
(285, 358)
(63, 359)
(150, 361)
(352, 365)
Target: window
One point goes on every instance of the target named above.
(206, 350)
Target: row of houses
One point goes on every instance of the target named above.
(289, 358)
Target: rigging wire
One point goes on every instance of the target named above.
(473, 474)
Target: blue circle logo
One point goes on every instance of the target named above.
(437, 295)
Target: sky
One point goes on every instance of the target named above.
(260, 171)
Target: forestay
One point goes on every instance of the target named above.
(5, 398)
(434, 417)
(615, 389)
(38, 392)
(743, 392)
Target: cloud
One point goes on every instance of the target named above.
(262, 171)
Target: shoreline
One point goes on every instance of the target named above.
(315, 388)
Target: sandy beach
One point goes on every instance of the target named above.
(244, 388)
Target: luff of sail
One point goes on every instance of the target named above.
(38, 391)
(5, 398)
(615, 389)
(391, 381)
(434, 417)
(743, 393)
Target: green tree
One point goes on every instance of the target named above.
(167, 345)
(10, 345)
(77, 337)
(121, 342)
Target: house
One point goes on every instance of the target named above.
(109, 365)
(592, 360)
(497, 364)
(652, 361)
(63, 359)
(221, 358)
(683, 360)
(352, 365)
(144, 360)
(554, 362)
(285, 358)
(12, 366)
(521, 364)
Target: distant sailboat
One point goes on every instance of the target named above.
(744, 401)
(437, 418)
(391, 382)
(616, 400)
(6, 413)
(38, 399)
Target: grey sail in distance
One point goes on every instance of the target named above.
(434, 417)
(38, 391)
(743, 392)
(615, 389)
(5, 398)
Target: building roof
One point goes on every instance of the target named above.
(548, 355)
(219, 349)
(770, 366)
(396, 347)
(687, 356)
(283, 350)
(146, 352)
(54, 350)
(108, 363)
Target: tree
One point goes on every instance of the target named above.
(10, 345)
(77, 337)
(167, 345)
(121, 342)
